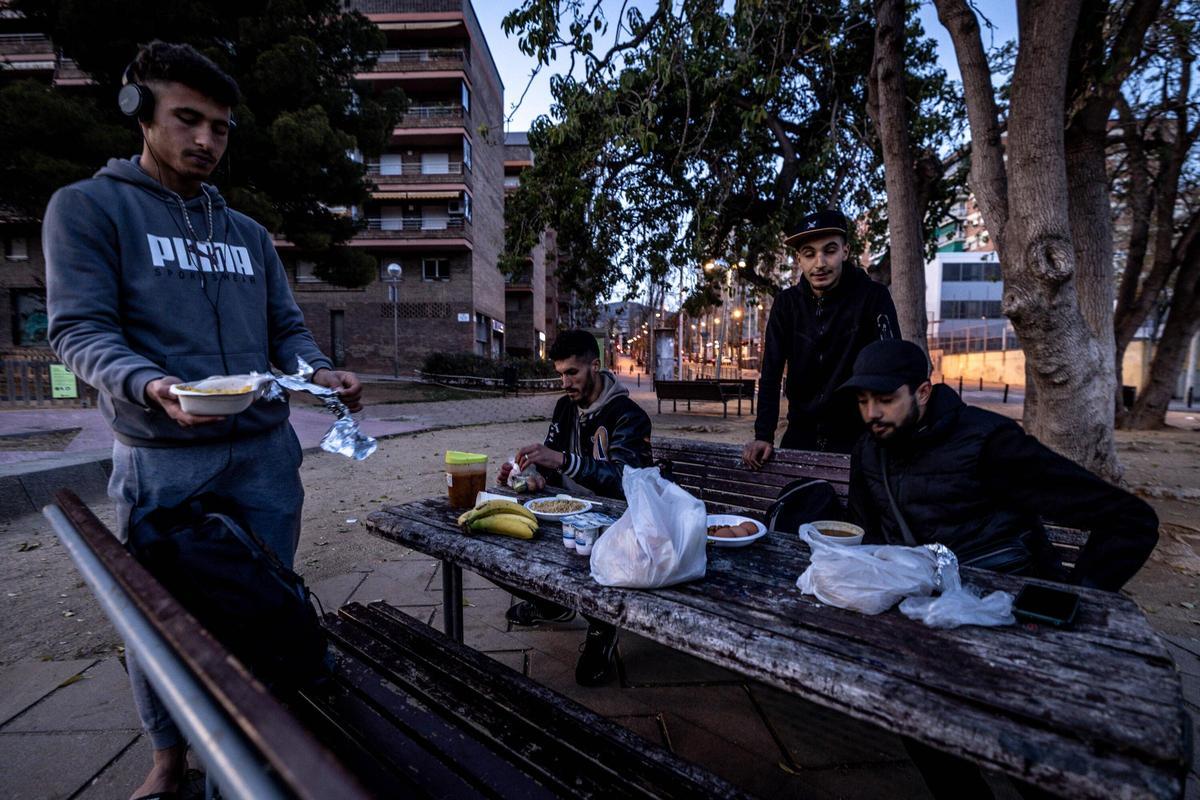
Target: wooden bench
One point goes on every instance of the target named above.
(705, 390)
(408, 711)
(714, 473)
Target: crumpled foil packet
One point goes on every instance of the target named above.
(947, 568)
(344, 438)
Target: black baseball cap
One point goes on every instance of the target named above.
(822, 223)
(888, 364)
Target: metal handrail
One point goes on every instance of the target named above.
(221, 747)
(24, 38)
(376, 224)
(441, 110)
(419, 54)
(452, 168)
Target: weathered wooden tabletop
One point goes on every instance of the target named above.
(1095, 711)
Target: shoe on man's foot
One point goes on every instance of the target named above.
(597, 656)
(528, 614)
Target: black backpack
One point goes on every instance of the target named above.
(806, 500)
(236, 588)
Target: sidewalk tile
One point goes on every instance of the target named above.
(335, 592)
(100, 701)
(817, 737)
(648, 663)
(724, 711)
(121, 776)
(52, 766)
(24, 683)
(513, 659)
(401, 583)
(757, 772)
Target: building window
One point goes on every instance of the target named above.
(971, 309)
(435, 163)
(16, 249)
(466, 206)
(466, 98)
(466, 152)
(976, 272)
(29, 318)
(482, 335)
(435, 269)
(306, 272)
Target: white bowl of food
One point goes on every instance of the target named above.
(731, 530)
(557, 507)
(220, 395)
(833, 532)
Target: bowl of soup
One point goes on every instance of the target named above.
(833, 532)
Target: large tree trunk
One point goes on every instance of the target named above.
(1092, 235)
(889, 112)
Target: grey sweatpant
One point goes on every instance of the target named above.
(261, 473)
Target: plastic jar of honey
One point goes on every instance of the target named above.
(466, 476)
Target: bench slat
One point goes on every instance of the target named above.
(567, 749)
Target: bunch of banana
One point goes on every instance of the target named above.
(500, 516)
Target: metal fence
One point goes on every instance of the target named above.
(29, 381)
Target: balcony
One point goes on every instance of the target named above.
(405, 6)
(417, 174)
(432, 115)
(452, 228)
(25, 44)
(419, 60)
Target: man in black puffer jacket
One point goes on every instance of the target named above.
(932, 469)
(597, 430)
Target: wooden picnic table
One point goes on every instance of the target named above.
(1095, 711)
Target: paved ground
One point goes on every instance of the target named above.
(67, 728)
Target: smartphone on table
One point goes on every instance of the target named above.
(1046, 606)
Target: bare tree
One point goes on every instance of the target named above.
(1040, 198)
(888, 107)
(1155, 142)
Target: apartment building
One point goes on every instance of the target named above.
(530, 317)
(437, 211)
(26, 53)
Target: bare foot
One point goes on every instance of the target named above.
(167, 773)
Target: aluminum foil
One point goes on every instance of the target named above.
(344, 438)
(947, 567)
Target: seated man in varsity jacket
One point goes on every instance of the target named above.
(596, 431)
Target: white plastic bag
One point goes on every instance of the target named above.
(959, 605)
(660, 540)
(867, 578)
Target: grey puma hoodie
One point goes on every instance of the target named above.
(132, 296)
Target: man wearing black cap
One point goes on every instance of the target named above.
(933, 469)
(817, 328)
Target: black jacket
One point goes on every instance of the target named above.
(973, 480)
(818, 339)
(600, 440)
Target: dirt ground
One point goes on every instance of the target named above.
(50, 614)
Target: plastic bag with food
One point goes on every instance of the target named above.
(518, 479)
(660, 539)
(867, 578)
(957, 604)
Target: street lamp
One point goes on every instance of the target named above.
(394, 272)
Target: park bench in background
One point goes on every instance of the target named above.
(705, 390)
(409, 712)
(714, 473)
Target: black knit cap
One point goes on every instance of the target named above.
(822, 223)
(888, 364)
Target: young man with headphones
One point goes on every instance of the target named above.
(152, 279)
